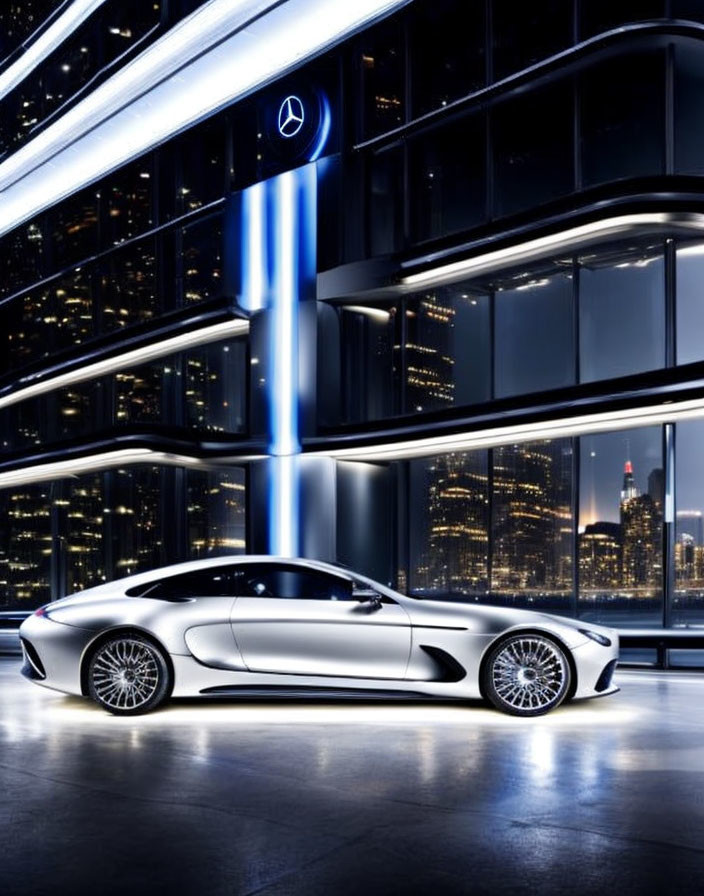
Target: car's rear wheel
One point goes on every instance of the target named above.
(128, 675)
(526, 675)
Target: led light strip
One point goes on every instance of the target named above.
(213, 333)
(177, 81)
(92, 463)
(46, 43)
(507, 435)
(572, 239)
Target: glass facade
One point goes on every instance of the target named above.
(572, 526)
(457, 129)
(69, 534)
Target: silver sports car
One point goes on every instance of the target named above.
(249, 625)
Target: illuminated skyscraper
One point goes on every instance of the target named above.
(641, 528)
(600, 556)
(456, 556)
(429, 365)
(532, 518)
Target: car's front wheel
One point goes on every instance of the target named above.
(128, 675)
(526, 675)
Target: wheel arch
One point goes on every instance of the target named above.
(106, 635)
(530, 630)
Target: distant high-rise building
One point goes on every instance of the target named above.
(532, 517)
(457, 542)
(641, 533)
(689, 522)
(600, 556)
(429, 365)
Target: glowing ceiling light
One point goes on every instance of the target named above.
(586, 424)
(190, 73)
(212, 333)
(571, 239)
(95, 462)
(47, 42)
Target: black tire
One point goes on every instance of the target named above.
(128, 675)
(526, 675)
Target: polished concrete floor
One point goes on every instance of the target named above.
(296, 798)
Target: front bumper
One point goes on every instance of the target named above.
(53, 650)
(595, 667)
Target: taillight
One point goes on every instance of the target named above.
(40, 612)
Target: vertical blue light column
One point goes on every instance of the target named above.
(278, 254)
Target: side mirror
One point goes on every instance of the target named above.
(367, 596)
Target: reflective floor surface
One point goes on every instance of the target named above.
(336, 798)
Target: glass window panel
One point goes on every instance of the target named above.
(202, 164)
(138, 393)
(533, 148)
(202, 260)
(620, 527)
(25, 425)
(447, 351)
(216, 512)
(622, 312)
(688, 600)
(690, 303)
(25, 558)
(448, 179)
(369, 361)
(447, 52)
(122, 25)
(19, 20)
(597, 16)
(689, 123)
(623, 118)
(135, 501)
(382, 58)
(386, 201)
(72, 298)
(216, 386)
(532, 525)
(294, 583)
(128, 194)
(28, 328)
(74, 229)
(449, 521)
(525, 33)
(81, 514)
(534, 335)
(77, 409)
(21, 258)
(128, 286)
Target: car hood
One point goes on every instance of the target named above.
(490, 619)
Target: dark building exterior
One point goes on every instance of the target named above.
(405, 299)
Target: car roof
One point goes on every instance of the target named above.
(230, 560)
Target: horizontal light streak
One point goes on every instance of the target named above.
(46, 43)
(190, 73)
(142, 355)
(92, 463)
(586, 424)
(571, 239)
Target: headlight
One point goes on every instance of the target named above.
(596, 636)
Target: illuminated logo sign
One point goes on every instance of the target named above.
(291, 116)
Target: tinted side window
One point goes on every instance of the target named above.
(215, 582)
(292, 583)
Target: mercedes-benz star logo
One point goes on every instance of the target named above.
(290, 116)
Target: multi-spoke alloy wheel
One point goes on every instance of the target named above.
(526, 675)
(128, 675)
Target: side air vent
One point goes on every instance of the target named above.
(448, 667)
(32, 667)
